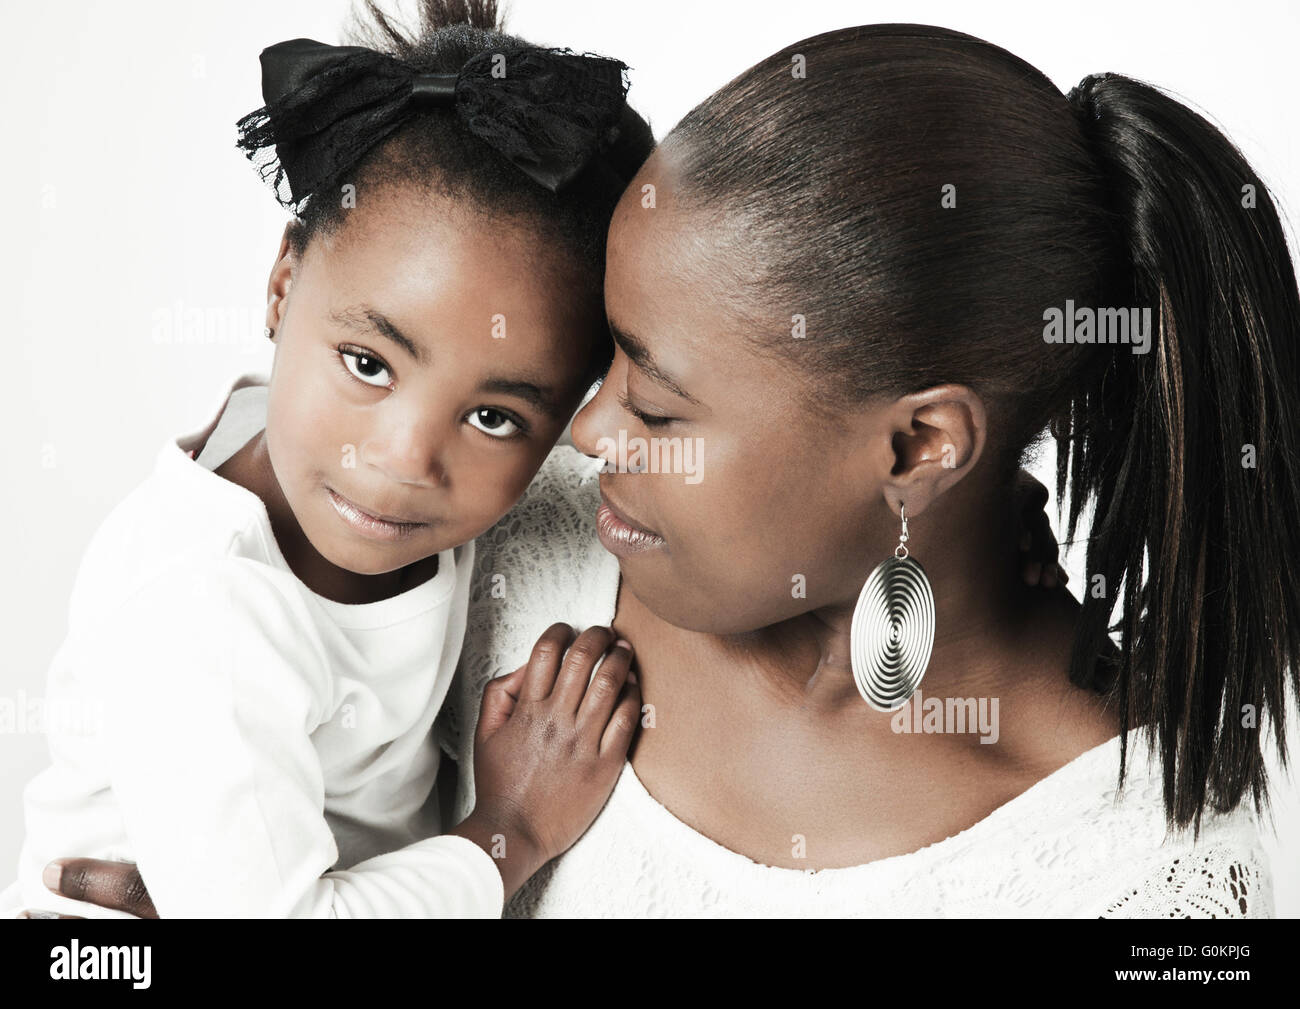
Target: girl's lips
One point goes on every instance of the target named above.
(619, 536)
(369, 525)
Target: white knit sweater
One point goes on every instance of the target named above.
(1063, 848)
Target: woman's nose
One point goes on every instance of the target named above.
(597, 419)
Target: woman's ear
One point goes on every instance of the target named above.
(937, 437)
(281, 279)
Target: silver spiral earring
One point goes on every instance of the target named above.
(892, 633)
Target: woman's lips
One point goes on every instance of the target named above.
(619, 535)
(368, 525)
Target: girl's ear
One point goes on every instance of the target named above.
(278, 284)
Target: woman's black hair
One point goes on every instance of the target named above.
(435, 150)
(924, 198)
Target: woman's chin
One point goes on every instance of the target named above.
(703, 612)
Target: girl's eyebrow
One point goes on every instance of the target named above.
(363, 317)
(541, 397)
(366, 318)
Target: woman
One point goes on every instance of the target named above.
(836, 273)
(922, 199)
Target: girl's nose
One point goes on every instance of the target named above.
(409, 454)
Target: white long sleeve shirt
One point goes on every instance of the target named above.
(258, 749)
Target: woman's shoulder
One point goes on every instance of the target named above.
(542, 563)
(1217, 868)
(1078, 843)
(556, 514)
(1129, 860)
(543, 560)
(1073, 845)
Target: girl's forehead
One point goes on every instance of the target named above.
(435, 242)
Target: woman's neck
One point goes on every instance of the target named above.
(992, 632)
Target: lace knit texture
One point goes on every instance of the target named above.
(1067, 847)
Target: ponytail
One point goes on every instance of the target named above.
(1191, 453)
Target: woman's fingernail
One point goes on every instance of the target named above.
(631, 677)
(52, 875)
(623, 643)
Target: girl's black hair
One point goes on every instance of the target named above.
(1117, 196)
(435, 151)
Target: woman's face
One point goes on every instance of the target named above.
(784, 511)
(426, 361)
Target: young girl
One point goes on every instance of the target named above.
(267, 626)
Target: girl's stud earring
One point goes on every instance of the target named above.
(269, 335)
(892, 633)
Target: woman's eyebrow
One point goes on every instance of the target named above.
(366, 318)
(639, 354)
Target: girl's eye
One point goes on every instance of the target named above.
(494, 422)
(648, 419)
(366, 367)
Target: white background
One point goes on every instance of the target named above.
(128, 206)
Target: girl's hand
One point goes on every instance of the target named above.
(1038, 547)
(550, 744)
(116, 886)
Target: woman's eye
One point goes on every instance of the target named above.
(648, 419)
(367, 368)
(493, 422)
(653, 420)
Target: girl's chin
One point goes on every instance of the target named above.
(361, 557)
(369, 570)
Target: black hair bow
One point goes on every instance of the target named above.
(550, 112)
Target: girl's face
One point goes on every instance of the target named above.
(427, 359)
(786, 513)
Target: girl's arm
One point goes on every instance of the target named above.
(206, 731)
(209, 693)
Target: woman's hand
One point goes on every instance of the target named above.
(1038, 546)
(116, 886)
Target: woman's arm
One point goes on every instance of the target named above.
(116, 886)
